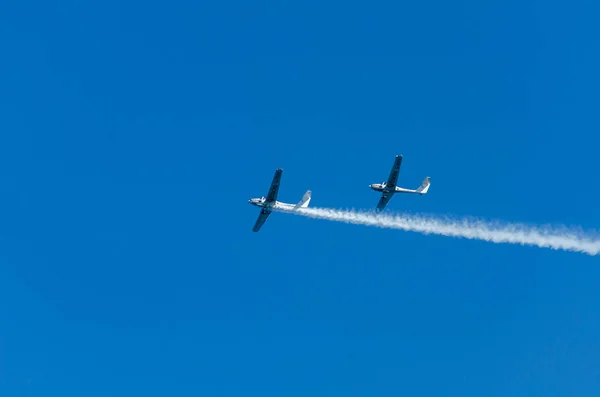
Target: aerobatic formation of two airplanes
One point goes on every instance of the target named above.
(387, 189)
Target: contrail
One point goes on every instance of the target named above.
(558, 238)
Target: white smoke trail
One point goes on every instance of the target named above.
(497, 232)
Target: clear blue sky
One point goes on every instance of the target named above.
(132, 134)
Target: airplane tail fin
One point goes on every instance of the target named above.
(305, 200)
(424, 186)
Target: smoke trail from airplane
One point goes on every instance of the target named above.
(497, 232)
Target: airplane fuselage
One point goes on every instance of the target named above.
(263, 203)
(382, 187)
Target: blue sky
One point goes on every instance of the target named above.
(133, 133)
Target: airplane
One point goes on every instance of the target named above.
(270, 202)
(389, 188)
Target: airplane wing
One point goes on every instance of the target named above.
(393, 178)
(274, 189)
(262, 217)
(385, 198)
